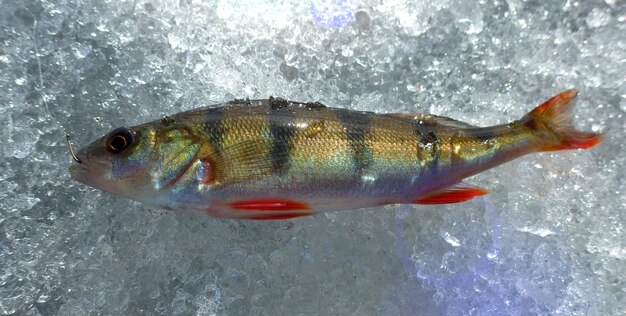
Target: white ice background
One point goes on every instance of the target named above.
(549, 239)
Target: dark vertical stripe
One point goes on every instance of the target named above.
(357, 125)
(282, 132)
(428, 144)
(419, 135)
(431, 140)
(215, 129)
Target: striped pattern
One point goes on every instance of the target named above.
(308, 139)
(357, 126)
(214, 130)
(282, 132)
(277, 159)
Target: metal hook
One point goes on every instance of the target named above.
(69, 146)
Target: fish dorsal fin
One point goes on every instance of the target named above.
(454, 194)
(242, 161)
(432, 120)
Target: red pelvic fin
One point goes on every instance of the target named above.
(270, 205)
(455, 194)
(273, 217)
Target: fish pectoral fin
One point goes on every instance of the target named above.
(432, 120)
(455, 194)
(243, 161)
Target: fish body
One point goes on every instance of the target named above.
(278, 159)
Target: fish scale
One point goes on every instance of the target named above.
(279, 159)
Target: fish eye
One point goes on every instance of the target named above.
(119, 139)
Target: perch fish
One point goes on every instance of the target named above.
(277, 159)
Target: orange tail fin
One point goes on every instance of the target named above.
(552, 121)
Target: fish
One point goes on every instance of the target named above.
(275, 159)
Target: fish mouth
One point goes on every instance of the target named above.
(88, 171)
(79, 172)
(92, 175)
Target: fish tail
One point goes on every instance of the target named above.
(552, 123)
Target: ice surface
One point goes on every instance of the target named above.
(548, 240)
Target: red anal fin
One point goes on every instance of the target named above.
(454, 194)
(273, 217)
(269, 205)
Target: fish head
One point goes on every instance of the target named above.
(139, 162)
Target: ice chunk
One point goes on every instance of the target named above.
(333, 13)
(549, 239)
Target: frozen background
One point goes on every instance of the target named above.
(548, 240)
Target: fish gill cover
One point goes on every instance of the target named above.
(547, 240)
